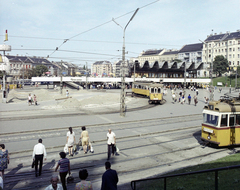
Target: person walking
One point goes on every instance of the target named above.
(85, 139)
(70, 141)
(64, 164)
(4, 159)
(195, 100)
(111, 141)
(109, 178)
(54, 184)
(83, 185)
(39, 152)
(67, 94)
(29, 99)
(35, 99)
(189, 99)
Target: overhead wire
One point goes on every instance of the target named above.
(65, 40)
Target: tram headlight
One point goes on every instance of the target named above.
(209, 137)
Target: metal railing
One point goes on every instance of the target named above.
(133, 183)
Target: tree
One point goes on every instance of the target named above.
(177, 60)
(40, 69)
(220, 65)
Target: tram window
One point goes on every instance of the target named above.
(210, 119)
(224, 120)
(155, 90)
(232, 120)
(152, 90)
(238, 119)
(159, 90)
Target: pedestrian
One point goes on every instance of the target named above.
(189, 99)
(39, 152)
(83, 185)
(67, 93)
(206, 100)
(85, 139)
(197, 92)
(109, 178)
(173, 97)
(29, 99)
(64, 164)
(195, 100)
(183, 99)
(70, 141)
(111, 141)
(8, 88)
(35, 99)
(4, 159)
(54, 184)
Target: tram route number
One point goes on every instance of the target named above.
(207, 130)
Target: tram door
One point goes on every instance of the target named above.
(234, 124)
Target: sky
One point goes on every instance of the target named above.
(84, 31)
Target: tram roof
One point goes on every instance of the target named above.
(223, 106)
(148, 84)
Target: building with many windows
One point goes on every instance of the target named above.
(18, 66)
(101, 68)
(227, 44)
(191, 53)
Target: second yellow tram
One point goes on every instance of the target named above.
(221, 122)
(151, 90)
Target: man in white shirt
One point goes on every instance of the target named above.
(54, 184)
(39, 152)
(111, 137)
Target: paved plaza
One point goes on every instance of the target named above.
(18, 118)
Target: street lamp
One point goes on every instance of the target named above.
(122, 98)
(235, 69)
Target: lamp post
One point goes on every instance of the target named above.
(235, 69)
(61, 85)
(122, 98)
(184, 91)
(134, 71)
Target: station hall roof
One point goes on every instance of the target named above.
(170, 66)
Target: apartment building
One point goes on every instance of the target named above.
(19, 65)
(227, 44)
(101, 68)
(191, 53)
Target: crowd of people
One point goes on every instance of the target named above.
(109, 178)
(181, 96)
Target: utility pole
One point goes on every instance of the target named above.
(87, 76)
(4, 48)
(184, 91)
(61, 85)
(122, 99)
(134, 71)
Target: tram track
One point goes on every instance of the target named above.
(135, 147)
(60, 115)
(124, 161)
(141, 123)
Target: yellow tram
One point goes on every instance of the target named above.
(221, 122)
(151, 90)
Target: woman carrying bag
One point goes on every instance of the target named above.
(70, 141)
(64, 164)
